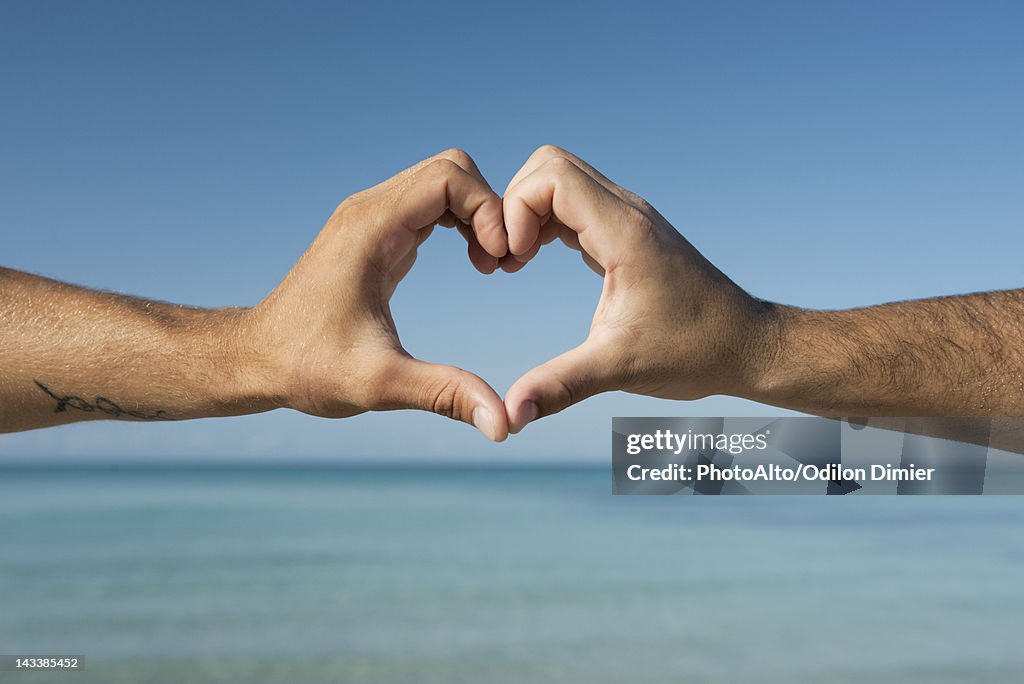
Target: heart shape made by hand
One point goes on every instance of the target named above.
(668, 324)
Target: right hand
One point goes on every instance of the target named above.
(669, 324)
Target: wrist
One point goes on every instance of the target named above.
(801, 365)
(770, 352)
(239, 376)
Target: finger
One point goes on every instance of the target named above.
(446, 391)
(440, 190)
(571, 240)
(478, 256)
(548, 232)
(423, 235)
(592, 264)
(481, 260)
(497, 241)
(546, 153)
(554, 386)
(454, 154)
(463, 159)
(447, 219)
(606, 226)
(405, 263)
(526, 256)
(510, 265)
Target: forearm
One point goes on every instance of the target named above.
(69, 354)
(948, 356)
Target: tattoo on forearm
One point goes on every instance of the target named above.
(101, 404)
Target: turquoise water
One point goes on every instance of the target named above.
(346, 574)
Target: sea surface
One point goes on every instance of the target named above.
(255, 573)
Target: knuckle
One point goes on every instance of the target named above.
(443, 397)
(548, 151)
(457, 156)
(560, 395)
(560, 165)
(443, 166)
(564, 396)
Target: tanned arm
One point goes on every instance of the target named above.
(70, 354)
(323, 342)
(948, 356)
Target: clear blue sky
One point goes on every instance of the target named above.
(826, 154)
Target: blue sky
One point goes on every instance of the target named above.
(825, 154)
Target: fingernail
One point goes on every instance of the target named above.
(520, 259)
(528, 413)
(483, 420)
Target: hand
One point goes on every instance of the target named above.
(669, 324)
(328, 326)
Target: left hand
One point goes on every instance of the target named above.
(326, 332)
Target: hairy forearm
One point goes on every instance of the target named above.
(948, 356)
(70, 354)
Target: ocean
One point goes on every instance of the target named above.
(322, 573)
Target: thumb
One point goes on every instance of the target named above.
(447, 391)
(557, 384)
